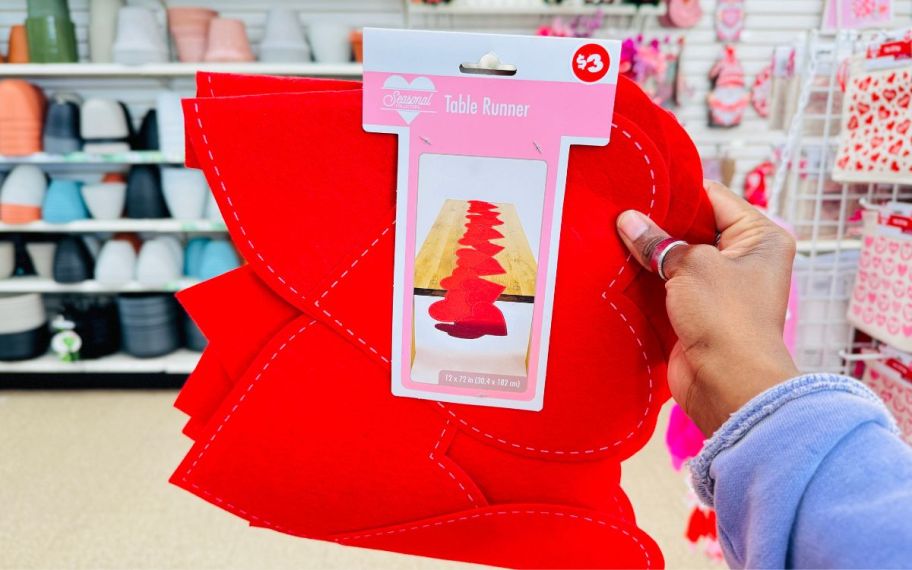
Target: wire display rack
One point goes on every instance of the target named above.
(824, 214)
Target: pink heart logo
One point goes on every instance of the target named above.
(902, 268)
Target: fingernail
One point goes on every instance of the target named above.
(632, 224)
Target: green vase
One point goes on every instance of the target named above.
(51, 40)
(48, 8)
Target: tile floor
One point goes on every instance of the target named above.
(83, 484)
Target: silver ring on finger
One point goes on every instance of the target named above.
(660, 252)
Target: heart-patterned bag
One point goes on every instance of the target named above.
(881, 304)
(290, 407)
(891, 379)
(876, 137)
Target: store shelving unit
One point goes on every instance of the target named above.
(165, 70)
(178, 362)
(79, 158)
(166, 225)
(569, 8)
(41, 285)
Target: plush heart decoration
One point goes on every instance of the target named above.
(306, 438)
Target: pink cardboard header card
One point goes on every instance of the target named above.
(485, 124)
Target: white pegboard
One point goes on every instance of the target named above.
(821, 211)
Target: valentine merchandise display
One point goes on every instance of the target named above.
(729, 20)
(761, 91)
(308, 310)
(140, 39)
(855, 14)
(876, 137)
(51, 33)
(729, 96)
(654, 63)
(890, 377)
(21, 117)
(682, 13)
(881, 303)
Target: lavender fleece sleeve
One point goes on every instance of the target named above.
(810, 474)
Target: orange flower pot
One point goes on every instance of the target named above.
(18, 45)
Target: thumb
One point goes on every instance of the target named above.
(641, 236)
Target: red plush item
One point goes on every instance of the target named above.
(244, 463)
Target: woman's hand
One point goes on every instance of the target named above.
(726, 304)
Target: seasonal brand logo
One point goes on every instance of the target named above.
(408, 98)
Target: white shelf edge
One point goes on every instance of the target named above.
(177, 69)
(121, 225)
(40, 285)
(181, 361)
(828, 245)
(77, 158)
(540, 9)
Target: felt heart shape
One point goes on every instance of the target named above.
(271, 405)
(476, 289)
(480, 206)
(556, 538)
(481, 232)
(373, 264)
(478, 262)
(344, 288)
(482, 245)
(484, 320)
(579, 484)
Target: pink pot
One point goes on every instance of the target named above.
(228, 41)
(190, 27)
(185, 15)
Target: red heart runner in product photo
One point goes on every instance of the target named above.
(293, 421)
